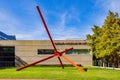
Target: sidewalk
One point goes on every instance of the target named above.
(106, 67)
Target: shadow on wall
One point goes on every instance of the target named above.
(19, 62)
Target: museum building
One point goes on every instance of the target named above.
(22, 52)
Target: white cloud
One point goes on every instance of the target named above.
(102, 7)
(105, 5)
(113, 5)
(73, 14)
(8, 22)
(14, 26)
(36, 33)
(62, 31)
(33, 29)
(21, 27)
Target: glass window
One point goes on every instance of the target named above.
(45, 51)
(7, 56)
(78, 51)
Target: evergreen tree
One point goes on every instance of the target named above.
(105, 40)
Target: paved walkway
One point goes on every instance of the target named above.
(107, 67)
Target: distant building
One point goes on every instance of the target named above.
(4, 36)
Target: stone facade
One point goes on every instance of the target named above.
(26, 51)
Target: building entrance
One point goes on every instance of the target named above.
(7, 56)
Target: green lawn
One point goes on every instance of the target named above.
(56, 73)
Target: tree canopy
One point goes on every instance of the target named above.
(105, 40)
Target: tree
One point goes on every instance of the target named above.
(105, 40)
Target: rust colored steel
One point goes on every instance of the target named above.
(56, 53)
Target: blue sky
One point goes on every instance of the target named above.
(66, 19)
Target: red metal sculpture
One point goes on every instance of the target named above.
(56, 53)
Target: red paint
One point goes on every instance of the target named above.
(61, 63)
(18, 69)
(56, 53)
(43, 21)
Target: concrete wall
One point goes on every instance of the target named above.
(26, 51)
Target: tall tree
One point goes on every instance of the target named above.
(105, 40)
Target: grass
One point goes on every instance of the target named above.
(56, 73)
